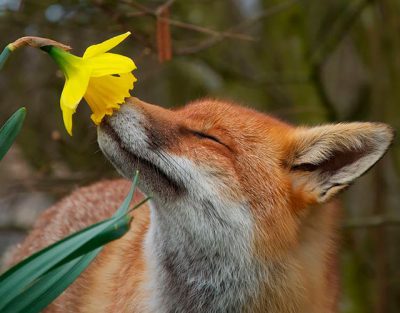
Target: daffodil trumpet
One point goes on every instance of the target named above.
(104, 79)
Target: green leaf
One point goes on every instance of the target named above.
(76, 237)
(23, 274)
(10, 130)
(4, 56)
(48, 286)
(33, 283)
(65, 276)
(123, 209)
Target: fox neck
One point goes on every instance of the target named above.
(200, 257)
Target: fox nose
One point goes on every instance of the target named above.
(139, 124)
(128, 114)
(155, 122)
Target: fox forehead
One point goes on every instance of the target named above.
(259, 145)
(229, 116)
(241, 129)
(242, 134)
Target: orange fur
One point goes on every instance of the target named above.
(294, 234)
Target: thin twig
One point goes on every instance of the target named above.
(201, 29)
(121, 21)
(263, 14)
(164, 6)
(219, 37)
(208, 31)
(372, 221)
(216, 36)
(139, 6)
(337, 32)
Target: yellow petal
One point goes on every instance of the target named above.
(110, 63)
(74, 89)
(67, 118)
(105, 94)
(104, 46)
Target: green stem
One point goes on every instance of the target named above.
(4, 56)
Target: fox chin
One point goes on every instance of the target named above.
(242, 216)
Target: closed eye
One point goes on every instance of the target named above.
(207, 136)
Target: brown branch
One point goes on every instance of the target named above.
(164, 6)
(216, 36)
(336, 33)
(263, 14)
(220, 36)
(139, 6)
(13, 228)
(201, 29)
(372, 221)
(163, 33)
(48, 184)
(209, 31)
(122, 23)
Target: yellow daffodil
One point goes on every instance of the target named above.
(102, 78)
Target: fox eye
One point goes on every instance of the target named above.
(202, 135)
(205, 136)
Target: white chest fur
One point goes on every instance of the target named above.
(200, 258)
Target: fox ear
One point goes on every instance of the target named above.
(326, 159)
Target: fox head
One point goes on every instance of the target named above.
(219, 154)
(212, 148)
(236, 219)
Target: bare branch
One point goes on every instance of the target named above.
(164, 6)
(338, 30)
(209, 31)
(155, 13)
(247, 23)
(373, 221)
(216, 36)
(263, 14)
(336, 33)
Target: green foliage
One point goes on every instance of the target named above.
(35, 282)
(10, 130)
(4, 56)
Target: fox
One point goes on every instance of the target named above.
(243, 216)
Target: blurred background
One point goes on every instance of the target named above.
(307, 62)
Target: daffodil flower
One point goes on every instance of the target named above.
(102, 78)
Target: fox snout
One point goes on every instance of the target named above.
(131, 141)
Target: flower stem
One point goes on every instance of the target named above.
(4, 55)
